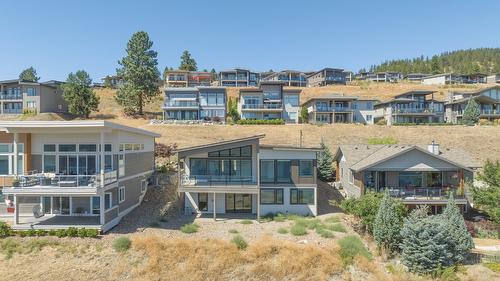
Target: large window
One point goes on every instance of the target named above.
(370, 179)
(283, 171)
(30, 91)
(434, 179)
(291, 100)
(301, 196)
(108, 203)
(271, 196)
(410, 179)
(96, 205)
(267, 170)
(49, 163)
(203, 201)
(305, 168)
(121, 194)
(4, 165)
(7, 159)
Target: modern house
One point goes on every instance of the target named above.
(416, 77)
(195, 103)
(329, 109)
(417, 174)
(443, 79)
(291, 78)
(18, 97)
(245, 176)
(475, 78)
(392, 77)
(269, 101)
(60, 174)
(326, 76)
(113, 81)
(488, 100)
(417, 107)
(349, 76)
(364, 111)
(184, 78)
(493, 79)
(238, 77)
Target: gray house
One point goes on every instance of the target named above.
(326, 76)
(488, 100)
(18, 97)
(417, 174)
(291, 78)
(238, 77)
(195, 103)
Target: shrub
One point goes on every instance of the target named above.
(282, 230)
(260, 122)
(495, 266)
(5, 230)
(82, 232)
(350, 247)
(332, 219)
(72, 232)
(246, 222)
(92, 233)
(122, 244)
(61, 233)
(30, 232)
(381, 122)
(41, 232)
(338, 227)
(387, 225)
(383, 140)
(240, 242)
(233, 231)
(325, 233)
(298, 230)
(459, 239)
(190, 228)
(279, 217)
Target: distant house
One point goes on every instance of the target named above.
(112, 81)
(493, 79)
(18, 97)
(416, 77)
(195, 103)
(387, 76)
(326, 76)
(443, 79)
(349, 76)
(291, 78)
(337, 108)
(184, 78)
(476, 78)
(269, 101)
(417, 107)
(361, 75)
(417, 174)
(238, 77)
(488, 100)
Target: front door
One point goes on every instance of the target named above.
(238, 203)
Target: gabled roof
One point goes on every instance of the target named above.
(50, 83)
(474, 94)
(361, 157)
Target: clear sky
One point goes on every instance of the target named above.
(58, 37)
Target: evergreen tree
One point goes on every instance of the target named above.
(325, 160)
(487, 196)
(107, 82)
(435, 68)
(304, 114)
(232, 110)
(471, 113)
(78, 93)
(187, 62)
(460, 240)
(139, 73)
(424, 246)
(213, 74)
(165, 70)
(29, 74)
(387, 225)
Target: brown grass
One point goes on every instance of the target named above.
(266, 259)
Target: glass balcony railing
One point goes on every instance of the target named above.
(262, 106)
(47, 180)
(417, 110)
(181, 104)
(5, 96)
(426, 193)
(333, 109)
(12, 110)
(208, 181)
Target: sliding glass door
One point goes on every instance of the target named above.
(238, 203)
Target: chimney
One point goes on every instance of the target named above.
(433, 148)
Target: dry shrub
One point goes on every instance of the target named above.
(376, 271)
(210, 259)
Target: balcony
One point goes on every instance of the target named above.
(481, 111)
(12, 111)
(177, 79)
(5, 96)
(265, 106)
(218, 183)
(182, 104)
(333, 109)
(416, 110)
(426, 193)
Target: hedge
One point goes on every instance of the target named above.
(260, 122)
(424, 124)
(6, 230)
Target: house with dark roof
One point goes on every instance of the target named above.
(184, 78)
(18, 97)
(326, 76)
(488, 100)
(338, 108)
(291, 78)
(195, 103)
(386, 76)
(416, 77)
(238, 77)
(417, 106)
(417, 174)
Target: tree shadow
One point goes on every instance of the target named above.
(327, 195)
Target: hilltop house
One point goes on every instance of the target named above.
(238, 77)
(416, 77)
(291, 78)
(18, 97)
(417, 106)
(269, 101)
(326, 76)
(195, 103)
(184, 78)
(60, 174)
(337, 108)
(488, 100)
(493, 79)
(245, 176)
(443, 79)
(387, 76)
(417, 174)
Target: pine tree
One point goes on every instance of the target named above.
(139, 73)
(213, 74)
(388, 224)
(78, 93)
(471, 113)
(325, 160)
(487, 196)
(187, 62)
(460, 240)
(29, 74)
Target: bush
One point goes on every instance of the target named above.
(338, 227)
(298, 230)
(246, 222)
(240, 242)
(384, 140)
(325, 233)
(122, 244)
(5, 230)
(282, 230)
(190, 228)
(387, 225)
(72, 232)
(260, 122)
(350, 247)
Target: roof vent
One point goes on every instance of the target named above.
(433, 148)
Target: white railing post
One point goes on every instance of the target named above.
(102, 157)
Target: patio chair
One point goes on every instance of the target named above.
(37, 211)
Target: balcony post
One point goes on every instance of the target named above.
(215, 210)
(101, 141)
(16, 211)
(16, 153)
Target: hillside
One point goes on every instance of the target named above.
(482, 60)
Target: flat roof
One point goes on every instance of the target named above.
(6, 125)
(220, 143)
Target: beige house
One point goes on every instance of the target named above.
(18, 97)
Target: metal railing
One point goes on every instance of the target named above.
(210, 181)
(333, 109)
(12, 110)
(45, 180)
(181, 104)
(481, 111)
(426, 193)
(11, 96)
(262, 106)
(416, 110)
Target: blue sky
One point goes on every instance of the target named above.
(58, 37)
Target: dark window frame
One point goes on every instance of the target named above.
(312, 168)
(275, 201)
(206, 208)
(276, 171)
(300, 196)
